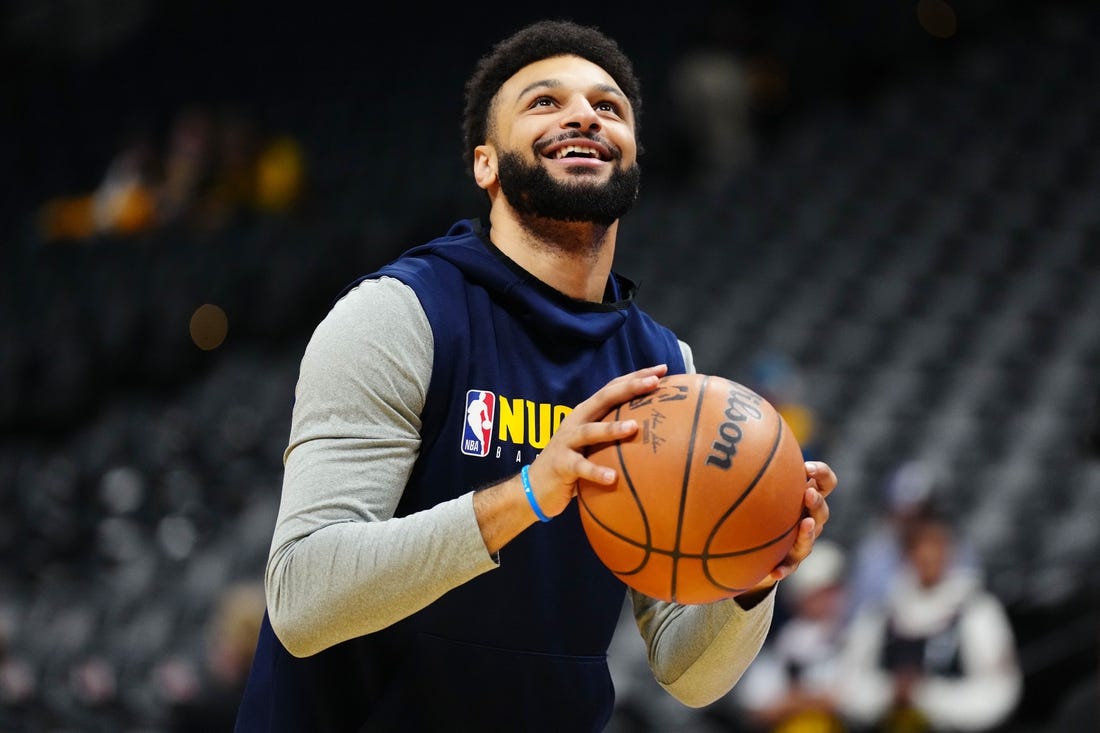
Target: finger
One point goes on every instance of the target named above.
(600, 433)
(595, 473)
(571, 467)
(807, 533)
(658, 370)
(803, 544)
(820, 476)
(817, 507)
(809, 529)
(620, 390)
(594, 433)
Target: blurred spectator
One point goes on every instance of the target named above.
(123, 203)
(232, 170)
(253, 172)
(206, 699)
(214, 169)
(791, 686)
(779, 381)
(939, 655)
(878, 557)
(188, 164)
(710, 93)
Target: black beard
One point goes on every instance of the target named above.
(531, 190)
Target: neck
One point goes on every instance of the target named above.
(572, 257)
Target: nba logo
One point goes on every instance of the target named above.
(480, 410)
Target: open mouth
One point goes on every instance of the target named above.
(579, 149)
(576, 151)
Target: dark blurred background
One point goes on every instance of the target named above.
(885, 215)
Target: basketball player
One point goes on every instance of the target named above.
(418, 579)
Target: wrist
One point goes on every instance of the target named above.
(750, 599)
(529, 491)
(502, 512)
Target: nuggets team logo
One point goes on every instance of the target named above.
(480, 414)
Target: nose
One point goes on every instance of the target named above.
(580, 115)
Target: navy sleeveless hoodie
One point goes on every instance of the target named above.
(522, 647)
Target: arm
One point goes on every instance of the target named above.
(867, 690)
(340, 565)
(697, 653)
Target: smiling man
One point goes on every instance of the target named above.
(428, 570)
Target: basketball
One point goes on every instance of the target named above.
(709, 491)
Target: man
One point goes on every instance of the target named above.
(418, 578)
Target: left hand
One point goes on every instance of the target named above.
(820, 482)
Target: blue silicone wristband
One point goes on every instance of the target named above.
(531, 494)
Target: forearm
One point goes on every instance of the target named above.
(341, 564)
(502, 512)
(698, 653)
(867, 691)
(974, 703)
(352, 578)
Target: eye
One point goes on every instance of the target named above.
(544, 101)
(608, 106)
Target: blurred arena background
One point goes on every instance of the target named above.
(885, 214)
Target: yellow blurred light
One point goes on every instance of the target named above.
(209, 326)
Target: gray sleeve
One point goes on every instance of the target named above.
(689, 357)
(699, 652)
(340, 564)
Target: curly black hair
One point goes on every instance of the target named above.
(541, 40)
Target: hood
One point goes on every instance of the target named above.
(468, 248)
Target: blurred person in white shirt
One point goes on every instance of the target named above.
(939, 654)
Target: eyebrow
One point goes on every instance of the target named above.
(554, 84)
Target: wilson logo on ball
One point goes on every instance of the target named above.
(740, 406)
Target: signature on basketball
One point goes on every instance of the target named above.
(741, 405)
(650, 436)
(665, 393)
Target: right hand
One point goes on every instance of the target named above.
(562, 463)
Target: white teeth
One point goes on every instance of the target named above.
(587, 152)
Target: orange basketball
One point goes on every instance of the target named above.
(709, 494)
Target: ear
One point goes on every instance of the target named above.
(485, 166)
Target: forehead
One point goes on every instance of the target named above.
(563, 72)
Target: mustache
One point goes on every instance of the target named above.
(616, 152)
